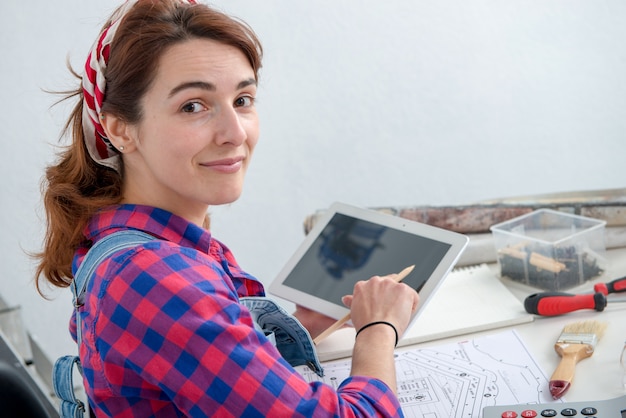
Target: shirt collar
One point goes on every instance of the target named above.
(158, 222)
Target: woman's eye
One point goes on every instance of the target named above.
(192, 107)
(244, 101)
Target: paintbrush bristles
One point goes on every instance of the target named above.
(586, 327)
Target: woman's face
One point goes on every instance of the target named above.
(198, 129)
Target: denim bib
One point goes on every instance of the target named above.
(291, 339)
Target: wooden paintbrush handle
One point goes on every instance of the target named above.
(563, 376)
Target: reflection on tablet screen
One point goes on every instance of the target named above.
(349, 250)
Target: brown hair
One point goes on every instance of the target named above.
(76, 187)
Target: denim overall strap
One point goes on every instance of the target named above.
(293, 341)
(63, 370)
(100, 251)
(63, 382)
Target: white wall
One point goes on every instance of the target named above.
(370, 102)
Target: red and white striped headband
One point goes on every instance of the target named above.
(94, 85)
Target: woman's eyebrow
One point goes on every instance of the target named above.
(192, 85)
(246, 83)
(207, 86)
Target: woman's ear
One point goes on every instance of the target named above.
(119, 132)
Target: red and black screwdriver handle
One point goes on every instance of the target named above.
(616, 286)
(558, 303)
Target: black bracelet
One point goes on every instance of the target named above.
(376, 323)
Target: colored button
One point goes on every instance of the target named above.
(529, 413)
(509, 414)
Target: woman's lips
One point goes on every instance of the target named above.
(226, 165)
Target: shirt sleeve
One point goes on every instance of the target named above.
(170, 327)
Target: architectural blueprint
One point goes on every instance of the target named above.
(459, 379)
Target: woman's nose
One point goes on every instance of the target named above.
(231, 127)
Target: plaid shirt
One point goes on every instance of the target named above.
(165, 336)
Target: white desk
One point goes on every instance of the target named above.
(597, 377)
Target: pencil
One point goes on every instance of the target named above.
(334, 327)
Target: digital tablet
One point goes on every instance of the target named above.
(348, 244)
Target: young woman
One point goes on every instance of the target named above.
(165, 126)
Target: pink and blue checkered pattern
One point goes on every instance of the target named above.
(164, 334)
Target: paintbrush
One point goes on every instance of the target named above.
(334, 327)
(577, 341)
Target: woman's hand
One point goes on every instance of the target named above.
(379, 299)
(382, 299)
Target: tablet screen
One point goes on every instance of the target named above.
(350, 249)
(348, 244)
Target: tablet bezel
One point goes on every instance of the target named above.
(457, 243)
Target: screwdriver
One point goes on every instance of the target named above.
(558, 303)
(616, 286)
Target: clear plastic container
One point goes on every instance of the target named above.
(550, 250)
